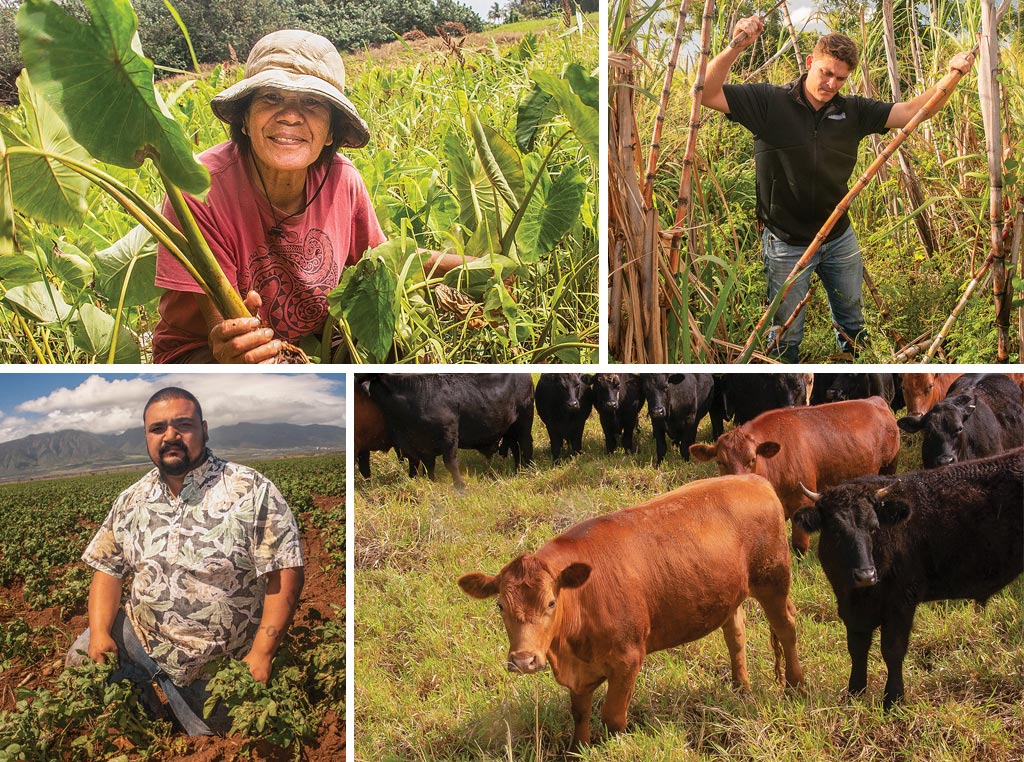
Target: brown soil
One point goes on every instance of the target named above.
(321, 591)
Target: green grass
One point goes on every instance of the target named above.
(429, 661)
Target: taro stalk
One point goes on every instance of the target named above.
(942, 91)
(100, 85)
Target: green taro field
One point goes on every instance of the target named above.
(48, 713)
(430, 677)
(486, 147)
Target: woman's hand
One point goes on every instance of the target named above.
(243, 340)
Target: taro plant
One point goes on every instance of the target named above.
(89, 93)
(512, 211)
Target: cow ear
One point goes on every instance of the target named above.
(891, 512)
(677, 378)
(911, 423)
(574, 575)
(965, 402)
(704, 452)
(768, 449)
(479, 585)
(808, 519)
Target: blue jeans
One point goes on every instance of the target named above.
(134, 664)
(840, 270)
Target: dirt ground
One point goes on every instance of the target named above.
(322, 590)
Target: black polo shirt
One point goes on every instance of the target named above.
(804, 158)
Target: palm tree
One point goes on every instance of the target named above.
(496, 13)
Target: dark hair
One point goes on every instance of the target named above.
(839, 47)
(173, 393)
(238, 109)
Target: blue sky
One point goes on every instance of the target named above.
(36, 402)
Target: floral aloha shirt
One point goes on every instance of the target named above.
(199, 561)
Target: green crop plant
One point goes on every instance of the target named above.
(89, 92)
(446, 169)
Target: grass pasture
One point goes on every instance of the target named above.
(429, 661)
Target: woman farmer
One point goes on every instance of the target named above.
(285, 213)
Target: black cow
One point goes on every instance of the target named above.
(889, 543)
(564, 402)
(436, 414)
(744, 396)
(618, 399)
(676, 403)
(836, 387)
(981, 415)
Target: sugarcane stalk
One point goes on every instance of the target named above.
(988, 91)
(942, 91)
(966, 297)
(1017, 263)
(792, 36)
(685, 181)
(736, 41)
(913, 186)
(666, 88)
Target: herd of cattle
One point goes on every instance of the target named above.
(820, 450)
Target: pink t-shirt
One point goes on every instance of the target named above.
(293, 273)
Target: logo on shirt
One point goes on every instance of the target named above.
(837, 117)
(293, 278)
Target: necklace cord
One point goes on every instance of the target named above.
(277, 231)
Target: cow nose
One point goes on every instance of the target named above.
(865, 577)
(945, 460)
(525, 662)
(658, 412)
(574, 404)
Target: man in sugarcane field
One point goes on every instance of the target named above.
(216, 566)
(806, 139)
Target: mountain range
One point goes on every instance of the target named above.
(72, 451)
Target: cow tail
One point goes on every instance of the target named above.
(780, 677)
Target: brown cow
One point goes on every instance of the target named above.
(371, 430)
(825, 444)
(597, 599)
(922, 390)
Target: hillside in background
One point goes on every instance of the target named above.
(71, 451)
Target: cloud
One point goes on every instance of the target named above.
(109, 405)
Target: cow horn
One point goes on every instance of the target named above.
(814, 496)
(880, 495)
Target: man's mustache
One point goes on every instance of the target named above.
(172, 446)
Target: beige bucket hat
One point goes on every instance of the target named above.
(299, 61)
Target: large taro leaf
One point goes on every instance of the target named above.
(500, 161)
(474, 277)
(44, 188)
(132, 257)
(98, 80)
(71, 266)
(582, 117)
(19, 270)
(366, 299)
(38, 302)
(551, 213)
(534, 111)
(93, 333)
